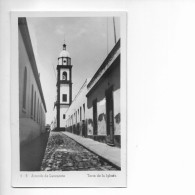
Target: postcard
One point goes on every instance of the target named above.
(68, 99)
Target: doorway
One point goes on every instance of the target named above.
(110, 116)
(95, 117)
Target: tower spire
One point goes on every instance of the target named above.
(64, 45)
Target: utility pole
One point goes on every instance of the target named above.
(107, 33)
(114, 30)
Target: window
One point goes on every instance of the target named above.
(64, 61)
(68, 60)
(32, 93)
(80, 114)
(64, 116)
(35, 107)
(24, 88)
(84, 111)
(38, 111)
(42, 117)
(64, 75)
(64, 97)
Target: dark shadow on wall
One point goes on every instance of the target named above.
(31, 154)
(101, 117)
(118, 118)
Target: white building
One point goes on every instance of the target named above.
(95, 111)
(32, 106)
(77, 113)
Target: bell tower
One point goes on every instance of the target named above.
(64, 87)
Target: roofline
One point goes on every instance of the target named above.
(84, 84)
(105, 62)
(22, 24)
(103, 76)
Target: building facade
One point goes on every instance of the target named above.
(95, 112)
(64, 88)
(32, 107)
(77, 113)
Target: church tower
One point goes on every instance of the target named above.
(64, 87)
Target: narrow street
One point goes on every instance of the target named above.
(64, 154)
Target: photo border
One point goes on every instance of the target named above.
(65, 178)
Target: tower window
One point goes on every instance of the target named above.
(64, 116)
(68, 61)
(64, 97)
(64, 75)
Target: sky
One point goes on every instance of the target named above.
(88, 40)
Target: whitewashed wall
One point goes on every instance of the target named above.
(30, 125)
(101, 112)
(63, 109)
(78, 103)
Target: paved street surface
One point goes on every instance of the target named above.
(111, 154)
(31, 154)
(64, 154)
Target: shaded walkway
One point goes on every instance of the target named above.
(31, 154)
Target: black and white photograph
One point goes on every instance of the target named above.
(97, 97)
(70, 114)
